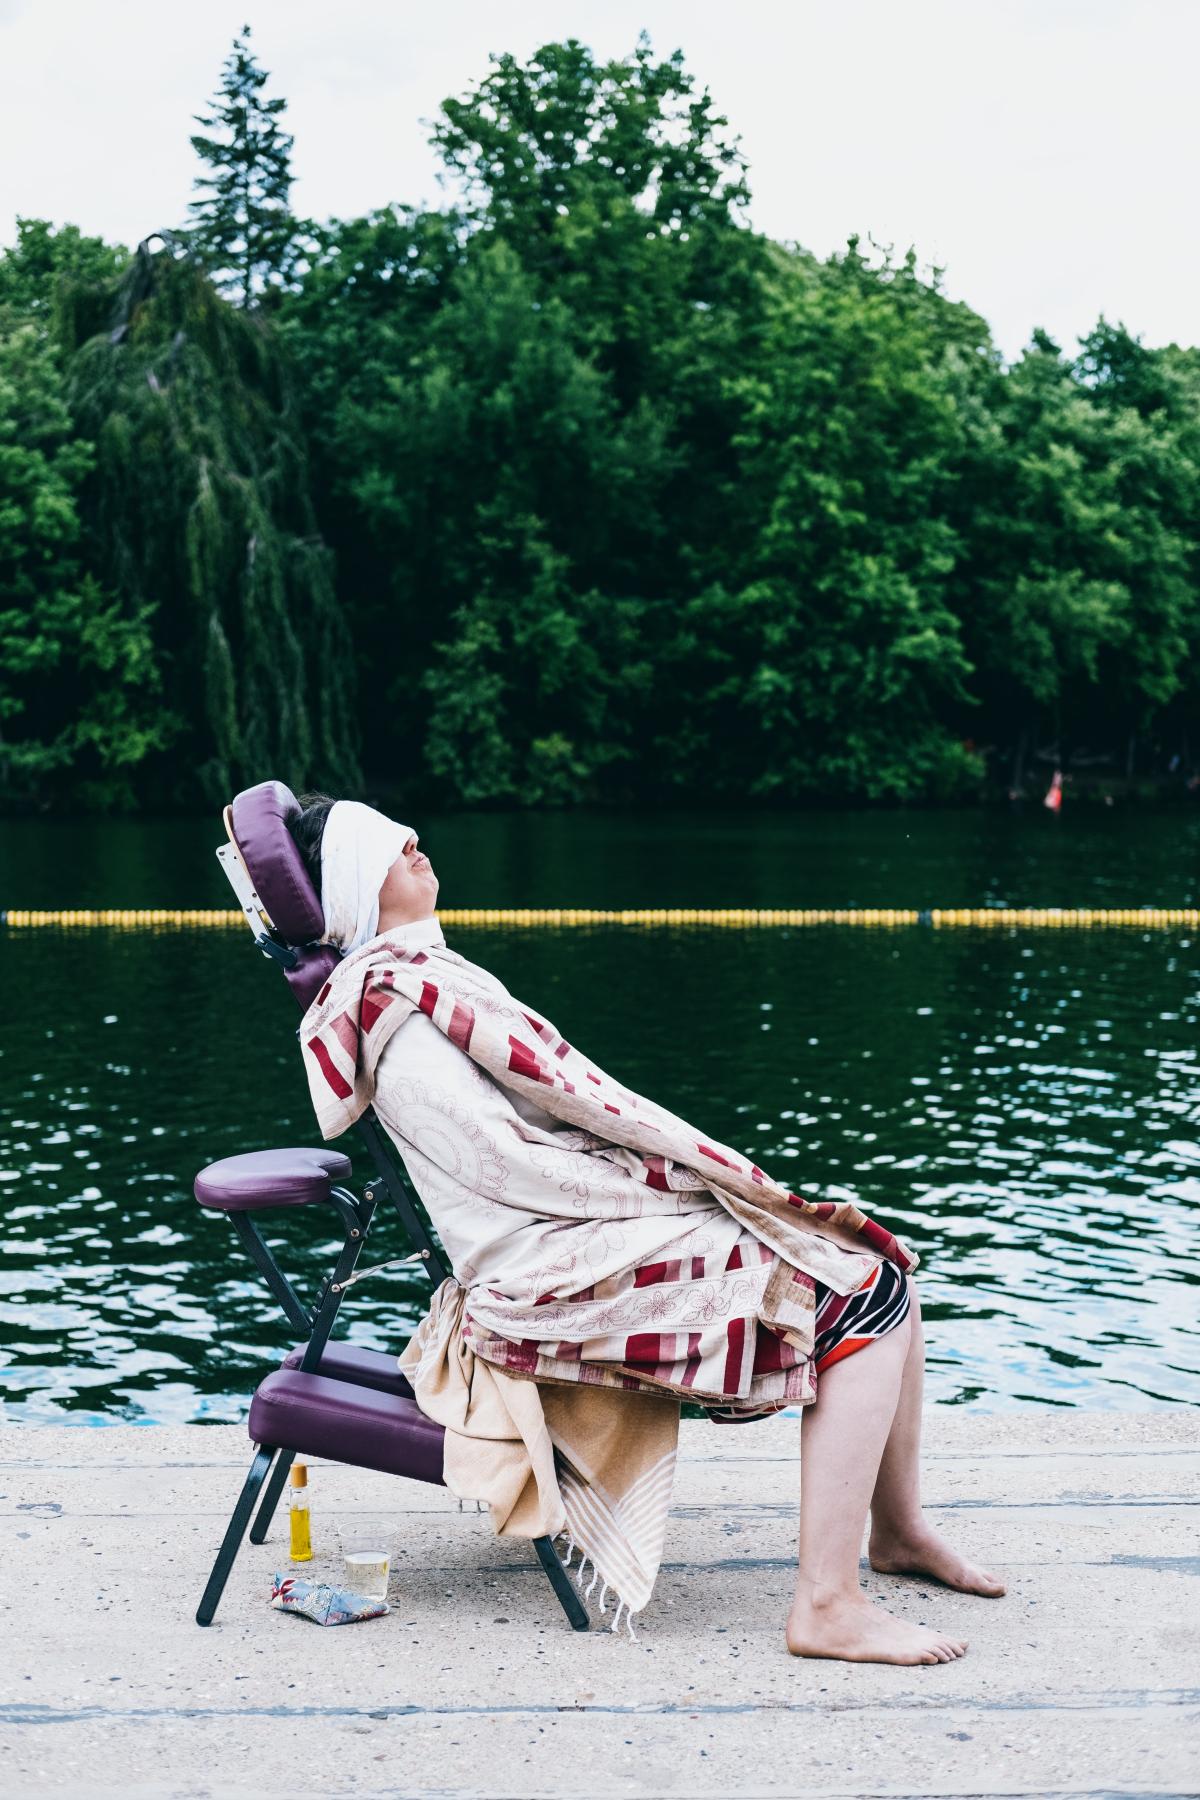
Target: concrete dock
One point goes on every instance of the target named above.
(1084, 1681)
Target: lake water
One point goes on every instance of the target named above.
(1023, 1106)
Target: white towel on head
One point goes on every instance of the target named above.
(358, 848)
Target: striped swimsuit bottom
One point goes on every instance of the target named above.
(848, 1322)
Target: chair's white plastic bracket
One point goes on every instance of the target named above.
(239, 879)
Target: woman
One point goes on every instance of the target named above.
(608, 1261)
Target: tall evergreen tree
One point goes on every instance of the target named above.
(243, 228)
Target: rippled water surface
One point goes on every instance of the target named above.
(1022, 1105)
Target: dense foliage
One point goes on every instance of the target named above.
(574, 489)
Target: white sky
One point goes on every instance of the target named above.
(1042, 151)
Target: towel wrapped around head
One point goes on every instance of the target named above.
(358, 848)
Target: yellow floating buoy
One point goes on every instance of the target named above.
(558, 918)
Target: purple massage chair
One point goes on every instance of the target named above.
(326, 1399)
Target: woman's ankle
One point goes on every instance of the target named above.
(819, 1596)
(899, 1528)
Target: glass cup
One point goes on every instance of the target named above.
(367, 1571)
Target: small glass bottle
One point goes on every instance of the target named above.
(298, 1513)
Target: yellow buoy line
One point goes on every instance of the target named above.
(991, 917)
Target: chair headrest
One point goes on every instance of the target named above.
(259, 822)
(259, 817)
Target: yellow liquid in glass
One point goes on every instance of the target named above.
(301, 1534)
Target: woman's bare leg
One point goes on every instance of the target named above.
(903, 1542)
(842, 1440)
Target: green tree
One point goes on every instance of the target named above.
(354, 329)
(79, 690)
(825, 658)
(622, 192)
(532, 380)
(44, 261)
(199, 508)
(531, 690)
(1078, 587)
(242, 227)
(499, 468)
(546, 147)
(1160, 484)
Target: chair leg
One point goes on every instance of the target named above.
(270, 1499)
(562, 1584)
(231, 1542)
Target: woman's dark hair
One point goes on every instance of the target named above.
(308, 828)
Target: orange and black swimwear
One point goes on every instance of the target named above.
(848, 1322)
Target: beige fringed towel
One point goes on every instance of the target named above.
(591, 1462)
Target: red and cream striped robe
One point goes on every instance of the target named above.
(599, 1237)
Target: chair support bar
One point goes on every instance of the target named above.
(297, 1315)
(391, 1179)
(315, 1324)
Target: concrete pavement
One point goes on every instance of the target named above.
(1084, 1681)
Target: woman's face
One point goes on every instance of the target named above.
(410, 888)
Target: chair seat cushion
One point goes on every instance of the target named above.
(367, 1368)
(271, 1178)
(317, 1416)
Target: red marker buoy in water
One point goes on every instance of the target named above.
(1054, 793)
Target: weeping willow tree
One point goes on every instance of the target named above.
(199, 509)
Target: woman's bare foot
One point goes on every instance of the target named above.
(924, 1551)
(851, 1628)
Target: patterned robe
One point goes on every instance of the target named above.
(598, 1237)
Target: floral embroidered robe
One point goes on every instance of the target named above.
(582, 1258)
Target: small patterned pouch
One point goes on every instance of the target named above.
(320, 1601)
